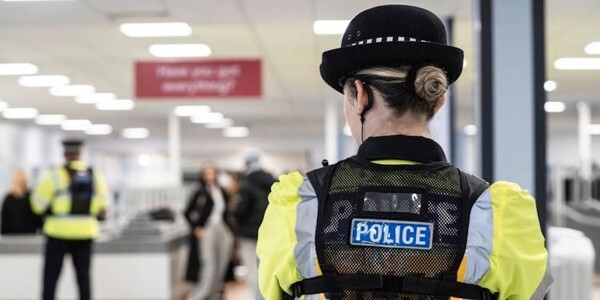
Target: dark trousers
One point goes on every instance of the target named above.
(81, 253)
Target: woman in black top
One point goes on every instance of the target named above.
(207, 213)
(17, 217)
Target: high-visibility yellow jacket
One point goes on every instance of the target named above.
(505, 250)
(52, 195)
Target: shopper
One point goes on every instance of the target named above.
(72, 197)
(17, 217)
(397, 221)
(208, 215)
(253, 200)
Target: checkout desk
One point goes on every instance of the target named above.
(144, 260)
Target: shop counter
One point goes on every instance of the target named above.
(143, 261)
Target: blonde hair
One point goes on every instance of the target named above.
(430, 84)
(19, 184)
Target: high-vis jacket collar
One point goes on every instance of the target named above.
(411, 148)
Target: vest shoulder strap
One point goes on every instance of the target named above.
(475, 186)
(320, 179)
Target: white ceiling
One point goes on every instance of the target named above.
(81, 39)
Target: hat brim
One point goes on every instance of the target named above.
(343, 61)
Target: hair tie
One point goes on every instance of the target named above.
(411, 77)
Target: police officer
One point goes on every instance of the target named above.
(397, 221)
(72, 197)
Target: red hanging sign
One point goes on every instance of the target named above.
(198, 79)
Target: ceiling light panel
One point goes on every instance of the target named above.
(3, 105)
(225, 123)
(135, 133)
(72, 90)
(236, 132)
(577, 63)
(76, 125)
(592, 48)
(326, 27)
(554, 106)
(180, 50)
(99, 129)
(20, 113)
(213, 117)
(18, 69)
(191, 110)
(44, 80)
(95, 98)
(120, 104)
(50, 119)
(155, 29)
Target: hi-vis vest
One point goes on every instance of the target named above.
(71, 208)
(392, 231)
(394, 223)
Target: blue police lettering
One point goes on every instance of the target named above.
(387, 233)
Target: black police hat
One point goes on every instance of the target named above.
(72, 145)
(391, 35)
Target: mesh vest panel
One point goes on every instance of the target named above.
(444, 200)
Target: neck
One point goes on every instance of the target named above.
(406, 125)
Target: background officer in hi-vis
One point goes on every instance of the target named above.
(72, 197)
(397, 221)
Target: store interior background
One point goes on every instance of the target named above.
(81, 40)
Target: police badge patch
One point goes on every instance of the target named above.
(391, 234)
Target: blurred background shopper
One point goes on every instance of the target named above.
(208, 213)
(72, 198)
(17, 217)
(249, 212)
(397, 221)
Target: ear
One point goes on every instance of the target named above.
(362, 98)
(439, 104)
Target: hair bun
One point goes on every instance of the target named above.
(430, 83)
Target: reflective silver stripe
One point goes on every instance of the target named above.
(306, 225)
(54, 175)
(479, 239)
(544, 286)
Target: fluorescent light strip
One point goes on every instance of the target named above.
(554, 106)
(50, 119)
(20, 113)
(76, 125)
(323, 27)
(577, 63)
(592, 48)
(471, 130)
(3, 105)
(207, 118)
(180, 50)
(99, 129)
(119, 104)
(72, 90)
(225, 123)
(550, 85)
(135, 133)
(44, 80)
(236, 132)
(191, 110)
(95, 98)
(593, 129)
(18, 69)
(155, 29)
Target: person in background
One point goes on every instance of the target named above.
(249, 211)
(17, 217)
(73, 198)
(397, 220)
(207, 213)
